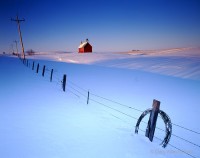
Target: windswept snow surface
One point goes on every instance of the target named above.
(178, 62)
(38, 119)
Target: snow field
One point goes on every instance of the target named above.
(42, 121)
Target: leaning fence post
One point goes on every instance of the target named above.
(51, 75)
(33, 65)
(64, 82)
(43, 71)
(88, 97)
(152, 120)
(37, 68)
(152, 123)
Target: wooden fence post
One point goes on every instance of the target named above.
(33, 65)
(37, 68)
(64, 82)
(88, 97)
(152, 120)
(51, 75)
(43, 71)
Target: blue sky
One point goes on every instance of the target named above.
(110, 25)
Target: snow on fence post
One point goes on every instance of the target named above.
(88, 97)
(43, 71)
(51, 75)
(152, 120)
(37, 68)
(33, 65)
(64, 82)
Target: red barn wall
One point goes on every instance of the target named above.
(81, 50)
(87, 48)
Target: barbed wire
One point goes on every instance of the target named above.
(177, 148)
(113, 109)
(185, 128)
(78, 91)
(141, 121)
(147, 123)
(74, 91)
(77, 86)
(186, 140)
(130, 107)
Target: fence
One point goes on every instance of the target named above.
(104, 102)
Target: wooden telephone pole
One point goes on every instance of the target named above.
(20, 34)
(16, 46)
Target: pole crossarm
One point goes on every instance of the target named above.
(17, 20)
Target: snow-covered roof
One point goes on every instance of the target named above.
(83, 44)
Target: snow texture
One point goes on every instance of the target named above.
(38, 119)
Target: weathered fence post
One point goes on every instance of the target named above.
(88, 97)
(33, 65)
(43, 71)
(64, 82)
(37, 68)
(51, 75)
(152, 120)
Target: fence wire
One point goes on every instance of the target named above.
(75, 89)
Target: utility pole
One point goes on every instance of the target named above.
(20, 34)
(12, 48)
(16, 46)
